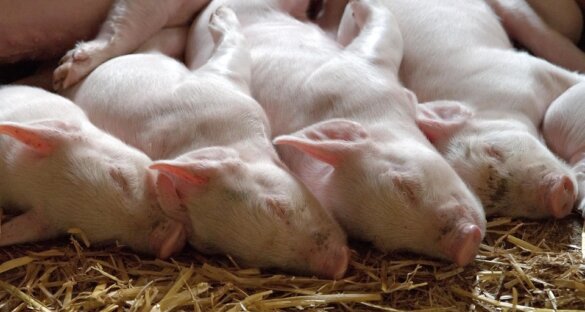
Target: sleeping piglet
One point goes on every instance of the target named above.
(60, 172)
(218, 169)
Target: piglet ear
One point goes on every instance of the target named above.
(199, 166)
(189, 172)
(167, 238)
(329, 141)
(170, 202)
(43, 137)
(441, 119)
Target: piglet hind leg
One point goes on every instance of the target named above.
(379, 40)
(128, 25)
(231, 57)
(25, 228)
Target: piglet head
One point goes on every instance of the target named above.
(94, 181)
(254, 210)
(399, 194)
(512, 172)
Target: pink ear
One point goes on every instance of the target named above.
(167, 238)
(328, 141)
(42, 137)
(199, 166)
(180, 170)
(168, 198)
(441, 119)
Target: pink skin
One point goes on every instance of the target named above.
(62, 172)
(564, 133)
(497, 151)
(218, 171)
(348, 145)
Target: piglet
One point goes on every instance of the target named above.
(346, 127)
(60, 171)
(564, 132)
(218, 169)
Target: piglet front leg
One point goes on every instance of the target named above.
(370, 30)
(28, 227)
(231, 57)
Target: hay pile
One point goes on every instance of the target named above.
(522, 265)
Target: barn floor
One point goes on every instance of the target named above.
(522, 265)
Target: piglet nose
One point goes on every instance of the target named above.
(465, 246)
(334, 264)
(562, 197)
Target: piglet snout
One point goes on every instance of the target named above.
(561, 196)
(465, 244)
(332, 264)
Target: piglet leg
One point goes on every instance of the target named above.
(379, 39)
(129, 24)
(523, 24)
(25, 228)
(231, 57)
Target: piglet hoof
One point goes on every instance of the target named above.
(362, 10)
(77, 64)
(222, 21)
(561, 197)
(168, 238)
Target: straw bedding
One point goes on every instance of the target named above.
(523, 265)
